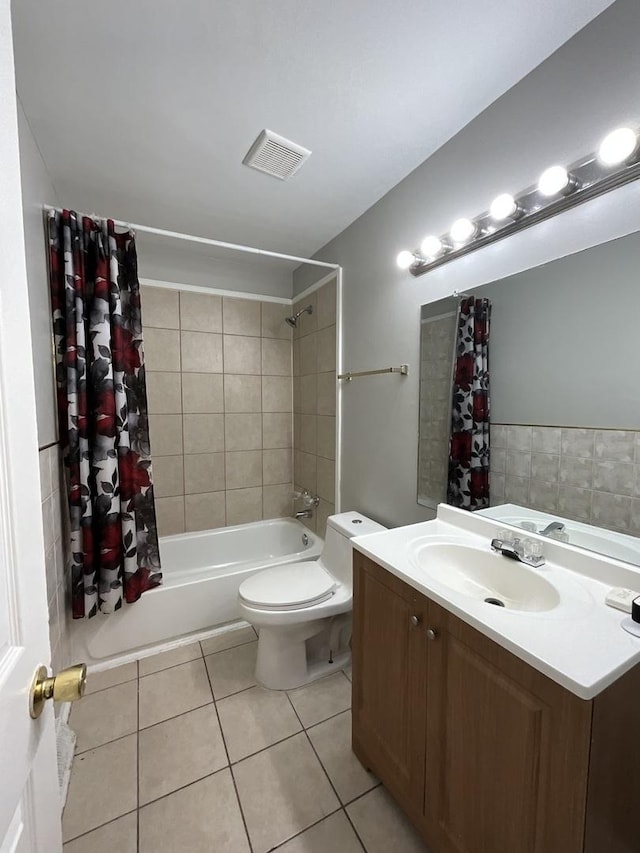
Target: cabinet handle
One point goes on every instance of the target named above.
(415, 621)
(432, 634)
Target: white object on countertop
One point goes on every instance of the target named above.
(620, 598)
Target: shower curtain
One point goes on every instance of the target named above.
(102, 412)
(468, 485)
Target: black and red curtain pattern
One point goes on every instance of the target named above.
(102, 410)
(468, 485)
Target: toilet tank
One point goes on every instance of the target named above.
(337, 553)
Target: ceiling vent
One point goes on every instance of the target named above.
(276, 155)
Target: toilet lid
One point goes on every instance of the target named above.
(296, 585)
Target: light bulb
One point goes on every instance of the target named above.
(503, 207)
(617, 146)
(405, 259)
(553, 180)
(432, 246)
(462, 230)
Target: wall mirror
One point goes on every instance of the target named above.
(564, 398)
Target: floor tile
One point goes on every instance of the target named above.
(174, 657)
(173, 691)
(332, 741)
(254, 719)
(333, 833)
(202, 818)
(228, 640)
(382, 826)
(110, 677)
(321, 699)
(180, 751)
(93, 799)
(232, 670)
(120, 835)
(105, 716)
(283, 790)
(348, 673)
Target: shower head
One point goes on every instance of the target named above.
(293, 321)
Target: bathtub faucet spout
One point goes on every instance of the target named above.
(304, 513)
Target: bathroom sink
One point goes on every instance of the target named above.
(485, 575)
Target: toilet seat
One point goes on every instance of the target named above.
(290, 587)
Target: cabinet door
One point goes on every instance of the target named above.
(389, 669)
(507, 750)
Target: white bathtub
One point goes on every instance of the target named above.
(201, 575)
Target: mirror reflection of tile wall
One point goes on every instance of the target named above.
(587, 475)
(436, 356)
(219, 386)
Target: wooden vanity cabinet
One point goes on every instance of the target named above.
(483, 752)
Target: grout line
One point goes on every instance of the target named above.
(106, 743)
(302, 831)
(342, 806)
(233, 778)
(173, 665)
(265, 748)
(175, 716)
(94, 828)
(352, 824)
(182, 787)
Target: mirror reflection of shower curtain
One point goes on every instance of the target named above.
(468, 485)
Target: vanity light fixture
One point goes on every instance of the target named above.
(504, 207)
(463, 230)
(616, 163)
(618, 146)
(554, 180)
(405, 259)
(432, 246)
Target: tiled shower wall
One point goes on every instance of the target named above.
(57, 564)
(220, 408)
(314, 395)
(588, 475)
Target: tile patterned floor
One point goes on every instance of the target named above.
(184, 753)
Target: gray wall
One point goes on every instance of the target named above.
(37, 190)
(190, 263)
(563, 348)
(556, 114)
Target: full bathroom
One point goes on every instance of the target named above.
(319, 431)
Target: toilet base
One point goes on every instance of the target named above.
(283, 662)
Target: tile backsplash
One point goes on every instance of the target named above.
(219, 385)
(588, 475)
(314, 395)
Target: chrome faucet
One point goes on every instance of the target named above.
(554, 527)
(515, 550)
(310, 501)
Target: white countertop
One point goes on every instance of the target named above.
(579, 643)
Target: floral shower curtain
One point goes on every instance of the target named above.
(102, 411)
(468, 485)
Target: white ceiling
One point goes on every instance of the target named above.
(144, 110)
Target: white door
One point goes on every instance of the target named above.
(29, 799)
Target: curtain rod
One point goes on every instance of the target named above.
(191, 238)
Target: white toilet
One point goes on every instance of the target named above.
(302, 611)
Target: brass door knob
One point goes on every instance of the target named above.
(66, 686)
